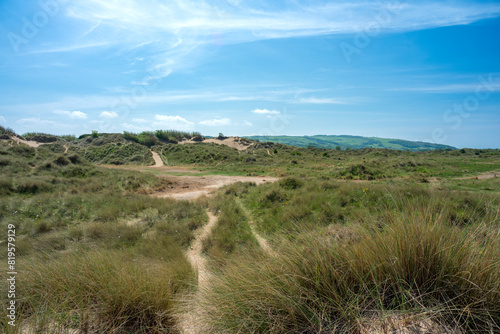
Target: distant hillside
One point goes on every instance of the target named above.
(353, 142)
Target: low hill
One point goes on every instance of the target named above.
(352, 142)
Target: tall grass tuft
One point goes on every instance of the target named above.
(104, 291)
(415, 265)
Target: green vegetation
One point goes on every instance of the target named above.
(149, 139)
(351, 252)
(96, 252)
(358, 237)
(351, 142)
(231, 236)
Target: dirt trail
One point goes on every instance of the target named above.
(157, 159)
(489, 175)
(194, 253)
(188, 319)
(191, 187)
(262, 242)
(30, 143)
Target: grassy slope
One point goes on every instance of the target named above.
(93, 250)
(353, 142)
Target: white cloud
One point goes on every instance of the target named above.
(3, 120)
(216, 122)
(139, 120)
(265, 112)
(72, 114)
(172, 122)
(108, 114)
(247, 123)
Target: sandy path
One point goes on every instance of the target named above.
(188, 319)
(157, 159)
(489, 175)
(30, 143)
(194, 253)
(191, 187)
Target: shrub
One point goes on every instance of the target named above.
(290, 183)
(61, 161)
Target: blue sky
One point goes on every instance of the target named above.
(416, 70)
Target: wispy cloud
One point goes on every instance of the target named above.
(73, 47)
(315, 100)
(3, 120)
(72, 114)
(451, 88)
(216, 122)
(173, 29)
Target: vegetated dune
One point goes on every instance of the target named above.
(310, 252)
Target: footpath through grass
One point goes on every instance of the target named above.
(350, 254)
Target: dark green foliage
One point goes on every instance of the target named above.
(6, 131)
(290, 183)
(40, 137)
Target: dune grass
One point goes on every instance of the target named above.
(103, 291)
(417, 264)
(232, 235)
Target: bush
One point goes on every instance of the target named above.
(61, 161)
(290, 183)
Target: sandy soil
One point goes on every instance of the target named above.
(191, 187)
(483, 176)
(188, 319)
(158, 161)
(231, 142)
(30, 143)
